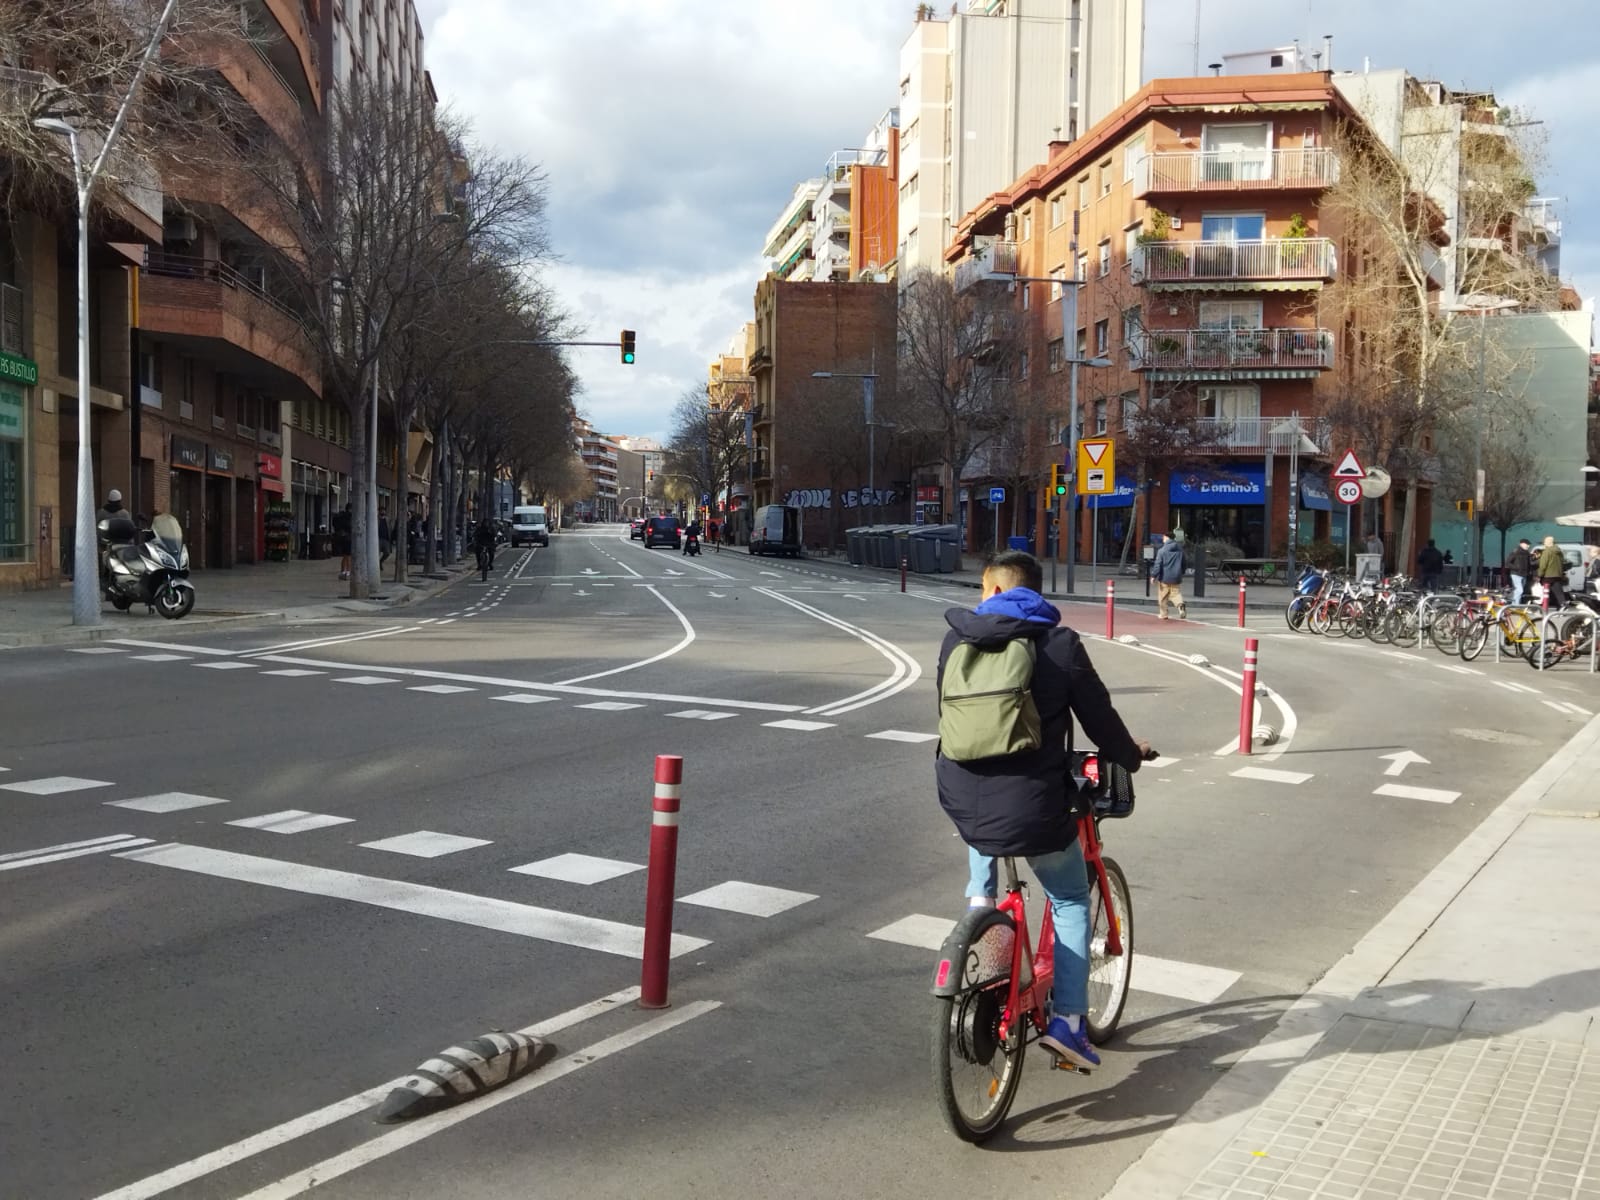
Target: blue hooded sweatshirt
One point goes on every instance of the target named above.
(1023, 604)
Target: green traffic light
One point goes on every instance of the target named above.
(1061, 489)
(627, 356)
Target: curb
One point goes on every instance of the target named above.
(1185, 1150)
(71, 634)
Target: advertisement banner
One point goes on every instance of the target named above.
(1219, 486)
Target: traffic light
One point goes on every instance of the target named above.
(1058, 480)
(1465, 506)
(627, 346)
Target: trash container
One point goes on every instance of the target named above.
(1019, 543)
(852, 544)
(924, 547)
(942, 546)
(900, 545)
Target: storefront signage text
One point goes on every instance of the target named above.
(188, 453)
(222, 461)
(21, 370)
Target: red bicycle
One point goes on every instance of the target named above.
(992, 988)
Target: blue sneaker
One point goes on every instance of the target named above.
(1060, 1040)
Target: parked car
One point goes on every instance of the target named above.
(776, 530)
(663, 531)
(636, 528)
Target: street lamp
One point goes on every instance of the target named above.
(1483, 306)
(1299, 444)
(869, 388)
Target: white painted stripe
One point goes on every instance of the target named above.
(1560, 708)
(54, 785)
(1579, 709)
(919, 930)
(609, 706)
(524, 698)
(329, 640)
(485, 912)
(426, 844)
(751, 899)
(683, 643)
(162, 657)
(407, 1135)
(1162, 761)
(1458, 670)
(366, 680)
(1231, 746)
(166, 802)
(1406, 792)
(668, 791)
(663, 818)
(96, 650)
(1181, 980)
(1516, 687)
(448, 621)
(440, 689)
(186, 649)
(294, 673)
(1402, 654)
(101, 842)
(39, 859)
(802, 726)
(701, 714)
(906, 668)
(578, 868)
(903, 735)
(290, 820)
(1268, 775)
(331, 1114)
(225, 666)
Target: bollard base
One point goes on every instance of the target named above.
(643, 1003)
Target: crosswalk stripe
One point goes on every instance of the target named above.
(903, 735)
(1268, 775)
(1405, 791)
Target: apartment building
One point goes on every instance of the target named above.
(985, 90)
(1190, 217)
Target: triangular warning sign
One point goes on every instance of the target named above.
(1095, 451)
(1349, 467)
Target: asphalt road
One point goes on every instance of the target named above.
(247, 879)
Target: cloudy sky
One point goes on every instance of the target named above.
(674, 130)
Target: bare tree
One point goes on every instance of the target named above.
(706, 446)
(1502, 440)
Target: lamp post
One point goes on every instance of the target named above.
(1299, 444)
(85, 570)
(869, 388)
(1483, 307)
(1071, 498)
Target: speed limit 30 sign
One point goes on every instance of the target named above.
(1347, 491)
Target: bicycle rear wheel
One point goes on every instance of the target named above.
(1321, 618)
(1110, 975)
(1445, 631)
(1474, 638)
(975, 1070)
(1295, 614)
(1400, 629)
(1519, 634)
(1353, 619)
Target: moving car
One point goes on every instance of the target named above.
(776, 530)
(636, 528)
(530, 524)
(663, 531)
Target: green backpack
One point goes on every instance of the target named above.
(986, 706)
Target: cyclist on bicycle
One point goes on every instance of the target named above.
(483, 543)
(1019, 804)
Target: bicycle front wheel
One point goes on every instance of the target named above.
(1445, 631)
(1321, 619)
(1400, 627)
(976, 1070)
(1353, 620)
(1110, 975)
(1474, 638)
(1295, 614)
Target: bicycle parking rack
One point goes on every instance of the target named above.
(1524, 609)
(1545, 631)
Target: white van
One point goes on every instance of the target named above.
(530, 525)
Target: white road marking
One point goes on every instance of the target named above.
(524, 698)
(448, 621)
(54, 785)
(1181, 980)
(441, 689)
(294, 673)
(903, 735)
(701, 714)
(1402, 759)
(366, 680)
(187, 650)
(162, 657)
(578, 868)
(1516, 687)
(1403, 655)
(802, 726)
(166, 802)
(906, 668)
(1579, 709)
(96, 650)
(333, 640)
(415, 1131)
(225, 666)
(1458, 670)
(1162, 761)
(426, 844)
(688, 637)
(50, 854)
(1231, 746)
(1268, 775)
(751, 899)
(464, 908)
(1559, 707)
(919, 930)
(291, 820)
(609, 706)
(774, 574)
(331, 1114)
(1406, 792)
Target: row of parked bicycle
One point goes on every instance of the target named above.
(1460, 622)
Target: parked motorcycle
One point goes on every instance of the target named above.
(148, 566)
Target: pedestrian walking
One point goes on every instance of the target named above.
(1168, 572)
(341, 540)
(1375, 546)
(1519, 565)
(1553, 573)
(385, 538)
(1430, 565)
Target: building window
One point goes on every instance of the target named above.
(1133, 155)
(1132, 323)
(1130, 241)
(1022, 364)
(905, 87)
(1130, 408)
(1230, 402)
(1083, 343)
(1058, 354)
(1105, 258)
(1058, 210)
(1230, 314)
(1083, 267)
(1105, 178)
(908, 189)
(1056, 275)
(1102, 336)
(1083, 192)
(1027, 225)
(1027, 296)
(1099, 417)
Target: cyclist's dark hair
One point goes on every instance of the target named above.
(1022, 568)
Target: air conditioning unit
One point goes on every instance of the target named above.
(179, 229)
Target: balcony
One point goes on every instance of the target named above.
(1300, 260)
(208, 306)
(1238, 352)
(1305, 169)
(996, 261)
(1256, 434)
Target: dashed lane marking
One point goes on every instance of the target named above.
(524, 698)
(701, 714)
(426, 844)
(801, 726)
(226, 666)
(1405, 791)
(166, 802)
(366, 680)
(19, 859)
(578, 868)
(291, 820)
(609, 706)
(1516, 687)
(1458, 670)
(97, 650)
(294, 673)
(1269, 775)
(161, 657)
(903, 735)
(441, 689)
(54, 785)
(751, 899)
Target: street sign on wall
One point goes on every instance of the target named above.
(1097, 466)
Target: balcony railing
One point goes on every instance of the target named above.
(1256, 434)
(212, 270)
(1231, 349)
(1203, 262)
(1309, 168)
(995, 258)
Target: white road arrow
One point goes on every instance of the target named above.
(588, 571)
(853, 596)
(1399, 761)
(718, 595)
(670, 571)
(774, 574)
(581, 592)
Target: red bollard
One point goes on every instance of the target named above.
(902, 574)
(1241, 602)
(1247, 702)
(661, 882)
(1111, 609)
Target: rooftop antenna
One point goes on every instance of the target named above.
(1197, 38)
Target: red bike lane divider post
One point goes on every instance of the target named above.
(1241, 602)
(1247, 702)
(661, 882)
(1111, 609)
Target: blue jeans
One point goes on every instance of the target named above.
(1065, 880)
(1519, 588)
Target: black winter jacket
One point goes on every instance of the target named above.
(1520, 562)
(1019, 804)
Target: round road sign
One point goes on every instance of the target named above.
(1348, 491)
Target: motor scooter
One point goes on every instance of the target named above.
(149, 566)
(691, 544)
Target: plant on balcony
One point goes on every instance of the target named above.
(1297, 253)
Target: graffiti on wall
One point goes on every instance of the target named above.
(854, 498)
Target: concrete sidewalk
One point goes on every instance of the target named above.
(296, 590)
(1454, 1052)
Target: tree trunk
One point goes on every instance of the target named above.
(399, 521)
(360, 528)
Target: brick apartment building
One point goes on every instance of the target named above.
(1190, 214)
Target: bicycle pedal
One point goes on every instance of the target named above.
(1062, 1064)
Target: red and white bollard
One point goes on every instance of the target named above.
(902, 574)
(1111, 609)
(661, 882)
(1241, 602)
(1247, 702)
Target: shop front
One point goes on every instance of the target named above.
(1111, 520)
(1224, 503)
(187, 489)
(17, 377)
(275, 528)
(930, 505)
